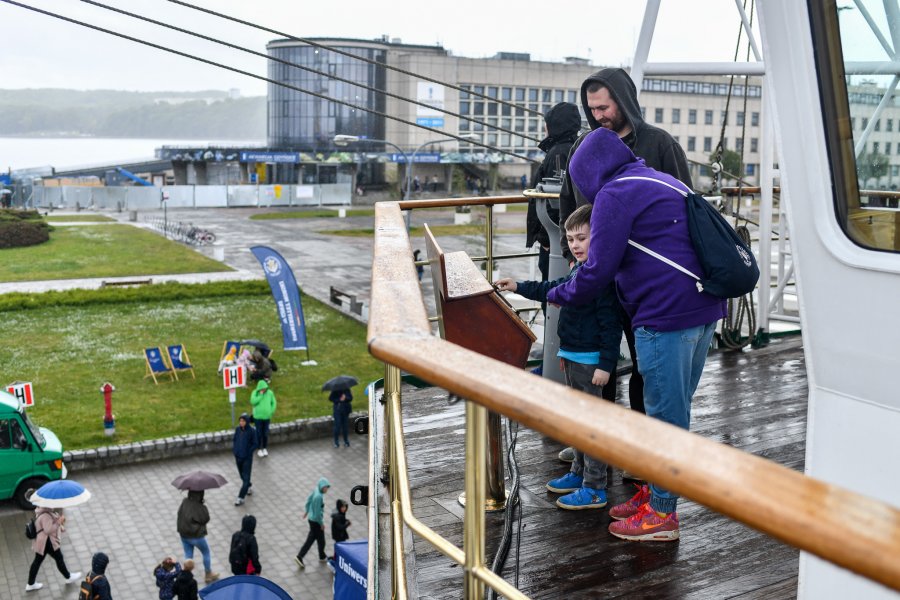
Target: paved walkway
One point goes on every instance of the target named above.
(131, 517)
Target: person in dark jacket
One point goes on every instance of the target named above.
(97, 576)
(341, 412)
(609, 99)
(243, 445)
(165, 573)
(339, 522)
(245, 541)
(589, 336)
(562, 122)
(185, 587)
(673, 321)
(192, 519)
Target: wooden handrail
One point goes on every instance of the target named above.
(470, 201)
(831, 522)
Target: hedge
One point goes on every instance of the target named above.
(20, 228)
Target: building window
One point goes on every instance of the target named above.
(887, 148)
(739, 144)
(492, 108)
(644, 113)
(532, 95)
(754, 144)
(492, 92)
(724, 120)
(751, 169)
(875, 147)
(464, 108)
(692, 116)
(740, 118)
(754, 119)
(658, 115)
(692, 143)
(878, 125)
(479, 108)
(506, 94)
(865, 123)
(889, 125)
(676, 115)
(520, 94)
(707, 144)
(573, 95)
(707, 117)
(560, 96)
(546, 95)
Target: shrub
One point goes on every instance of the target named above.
(15, 234)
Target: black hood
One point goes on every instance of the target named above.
(563, 125)
(248, 524)
(339, 504)
(98, 563)
(196, 495)
(622, 90)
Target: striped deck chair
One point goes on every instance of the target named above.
(157, 364)
(179, 359)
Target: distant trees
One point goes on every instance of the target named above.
(872, 165)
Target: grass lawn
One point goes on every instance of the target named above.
(317, 213)
(79, 219)
(102, 251)
(68, 352)
(435, 229)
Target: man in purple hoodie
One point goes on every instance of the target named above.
(673, 322)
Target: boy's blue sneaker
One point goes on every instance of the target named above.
(582, 499)
(565, 484)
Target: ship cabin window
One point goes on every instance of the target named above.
(857, 85)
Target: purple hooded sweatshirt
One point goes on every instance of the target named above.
(655, 294)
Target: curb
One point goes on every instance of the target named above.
(181, 446)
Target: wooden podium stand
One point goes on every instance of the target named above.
(473, 315)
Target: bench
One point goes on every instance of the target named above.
(126, 282)
(340, 298)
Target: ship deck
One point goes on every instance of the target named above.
(755, 401)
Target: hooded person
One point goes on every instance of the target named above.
(245, 441)
(339, 522)
(563, 123)
(193, 515)
(673, 322)
(315, 514)
(100, 588)
(244, 555)
(609, 99)
(263, 402)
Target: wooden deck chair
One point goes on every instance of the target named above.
(227, 346)
(157, 365)
(179, 359)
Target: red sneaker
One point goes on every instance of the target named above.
(646, 526)
(620, 512)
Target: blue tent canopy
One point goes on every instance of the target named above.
(351, 569)
(244, 587)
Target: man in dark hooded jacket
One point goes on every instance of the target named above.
(244, 555)
(563, 122)
(99, 583)
(609, 99)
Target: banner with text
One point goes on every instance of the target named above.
(286, 294)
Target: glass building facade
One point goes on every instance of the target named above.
(299, 121)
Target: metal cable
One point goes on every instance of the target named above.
(302, 67)
(351, 55)
(509, 513)
(740, 309)
(261, 78)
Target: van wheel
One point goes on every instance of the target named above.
(23, 492)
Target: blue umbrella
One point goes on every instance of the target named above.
(62, 493)
(244, 587)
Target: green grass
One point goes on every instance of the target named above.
(435, 229)
(79, 219)
(318, 213)
(67, 352)
(102, 251)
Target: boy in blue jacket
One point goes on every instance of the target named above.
(589, 338)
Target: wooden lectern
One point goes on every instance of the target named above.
(473, 315)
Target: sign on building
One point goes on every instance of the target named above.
(431, 94)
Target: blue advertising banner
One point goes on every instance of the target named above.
(351, 568)
(270, 157)
(286, 294)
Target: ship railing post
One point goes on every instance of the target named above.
(473, 525)
(392, 383)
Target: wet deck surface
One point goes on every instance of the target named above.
(755, 401)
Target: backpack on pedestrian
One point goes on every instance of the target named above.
(237, 557)
(729, 267)
(86, 592)
(31, 529)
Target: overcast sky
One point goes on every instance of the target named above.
(40, 51)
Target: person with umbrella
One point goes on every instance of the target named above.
(193, 516)
(341, 398)
(50, 525)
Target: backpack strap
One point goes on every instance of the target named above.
(647, 250)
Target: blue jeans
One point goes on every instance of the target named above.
(200, 542)
(262, 430)
(244, 467)
(671, 363)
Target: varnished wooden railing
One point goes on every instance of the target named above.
(833, 523)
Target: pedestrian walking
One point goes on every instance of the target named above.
(192, 519)
(166, 572)
(49, 526)
(339, 525)
(243, 445)
(420, 269)
(96, 585)
(263, 401)
(185, 587)
(341, 412)
(314, 513)
(244, 555)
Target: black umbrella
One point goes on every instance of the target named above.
(341, 382)
(199, 480)
(259, 345)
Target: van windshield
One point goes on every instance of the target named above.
(35, 431)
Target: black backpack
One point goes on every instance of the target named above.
(31, 529)
(729, 267)
(87, 587)
(237, 557)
